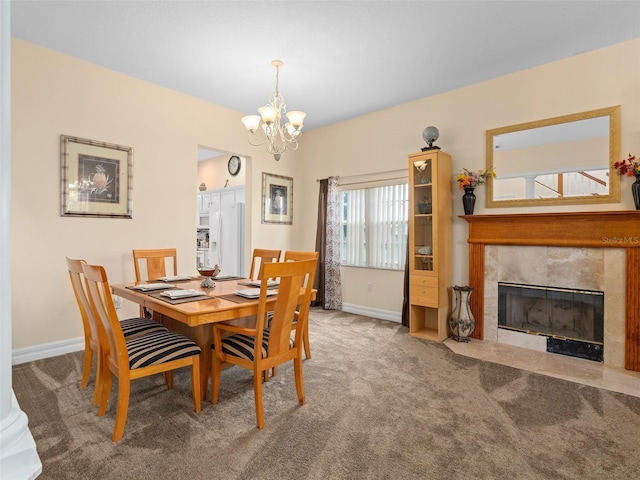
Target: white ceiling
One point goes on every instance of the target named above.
(341, 59)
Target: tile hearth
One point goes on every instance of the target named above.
(573, 369)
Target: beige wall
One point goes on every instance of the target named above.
(381, 142)
(54, 94)
(214, 174)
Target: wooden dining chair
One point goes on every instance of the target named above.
(131, 327)
(260, 257)
(130, 359)
(259, 349)
(156, 267)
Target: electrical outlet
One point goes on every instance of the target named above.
(369, 287)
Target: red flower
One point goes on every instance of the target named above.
(628, 166)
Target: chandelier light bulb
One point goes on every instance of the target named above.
(296, 117)
(252, 122)
(268, 114)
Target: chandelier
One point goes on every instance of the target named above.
(266, 128)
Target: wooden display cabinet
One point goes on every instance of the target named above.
(430, 218)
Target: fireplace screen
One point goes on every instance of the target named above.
(557, 312)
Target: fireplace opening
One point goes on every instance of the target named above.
(571, 319)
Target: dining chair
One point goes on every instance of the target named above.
(132, 358)
(259, 349)
(293, 256)
(259, 258)
(156, 267)
(131, 327)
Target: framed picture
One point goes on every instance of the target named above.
(96, 178)
(277, 199)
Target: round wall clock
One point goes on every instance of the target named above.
(234, 165)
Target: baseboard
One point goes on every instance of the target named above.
(46, 350)
(372, 312)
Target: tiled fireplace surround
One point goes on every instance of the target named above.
(588, 250)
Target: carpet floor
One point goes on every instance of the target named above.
(380, 405)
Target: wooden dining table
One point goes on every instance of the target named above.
(194, 317)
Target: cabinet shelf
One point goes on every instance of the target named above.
(427, 334)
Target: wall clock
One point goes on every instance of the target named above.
(234, 165)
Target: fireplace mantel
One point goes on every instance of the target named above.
(611, 229)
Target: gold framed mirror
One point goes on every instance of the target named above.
(565, 160)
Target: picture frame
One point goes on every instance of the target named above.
(277, 199)
(96, 179)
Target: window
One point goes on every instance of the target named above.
(375, 226)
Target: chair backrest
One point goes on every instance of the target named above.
(156, 262)
(101, 302)
(294, 276)
(296, 256)
(260, 257)
(89, 322)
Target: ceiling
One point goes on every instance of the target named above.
(342, 59)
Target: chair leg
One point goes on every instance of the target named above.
(168, 379)
(124, 386)
(257, 391)
(305, 340)
(297, 371)
(86, 368)
(106, 389)
(97, 389)
(195, 382)
(215, 377)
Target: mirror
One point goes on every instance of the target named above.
(561, 160)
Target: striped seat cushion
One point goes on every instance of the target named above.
(134, 327)
(242, 346)
(157, 347)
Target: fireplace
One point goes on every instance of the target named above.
(571, 319)
(615, 233)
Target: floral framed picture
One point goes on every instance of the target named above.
(96, 179)
(277, 199)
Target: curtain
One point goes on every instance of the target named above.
(405, 301)
(321, 237)
(328, 282)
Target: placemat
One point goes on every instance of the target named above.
(237, 298)
(225, 279)
(155, 290)
(176, 301)
(173, 281)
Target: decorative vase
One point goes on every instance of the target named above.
(635, 190)
(468, 200)
(462, 322)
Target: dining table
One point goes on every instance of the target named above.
(194, 315)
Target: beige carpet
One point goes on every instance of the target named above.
(380, 404)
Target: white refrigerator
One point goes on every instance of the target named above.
(226, 235)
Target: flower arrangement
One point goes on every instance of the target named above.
(468, 179)
(628, 166)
